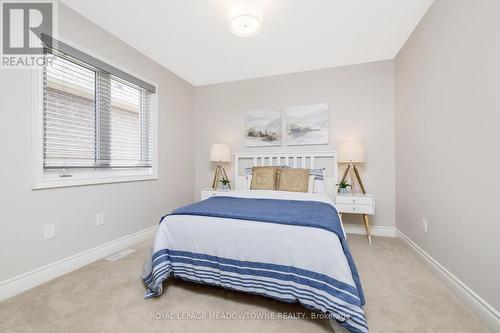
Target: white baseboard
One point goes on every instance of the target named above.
(20, 283)
(482, 309)
(375, 230)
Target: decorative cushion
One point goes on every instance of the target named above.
(316, 176)
(264, 178)
(294, 180)
(317, 173)
(319, 184)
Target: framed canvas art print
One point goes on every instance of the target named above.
(307, 124)
(263, 128)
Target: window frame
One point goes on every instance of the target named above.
(45, 178)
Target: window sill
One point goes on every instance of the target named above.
(53, 179)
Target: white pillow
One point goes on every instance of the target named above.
(248, 183)
(248, 178)
(319, 186)
(310, 185)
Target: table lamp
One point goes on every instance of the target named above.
(352, 152)
(219, 153)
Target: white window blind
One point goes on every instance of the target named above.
(93, 119)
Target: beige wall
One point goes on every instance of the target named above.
(361, 99)
(128, 207)
(447, 137)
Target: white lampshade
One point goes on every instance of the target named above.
(245, 18)
(220, 152)
(351, 151)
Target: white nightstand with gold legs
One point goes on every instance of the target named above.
(357, 203)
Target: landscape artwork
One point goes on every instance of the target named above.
(262, 128)
(307, 124)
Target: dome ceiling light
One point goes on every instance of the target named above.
(245, 18)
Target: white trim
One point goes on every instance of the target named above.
(482, 309)
(375, 230)
(41, 179)
(20, 283)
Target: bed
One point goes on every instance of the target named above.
(289, 246)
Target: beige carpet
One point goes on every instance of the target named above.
(402, 296)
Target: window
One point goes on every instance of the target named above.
(69, 139)
(97, 122)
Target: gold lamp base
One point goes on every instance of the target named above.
(351, 165)
(220, 172)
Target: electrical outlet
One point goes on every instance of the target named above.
(99, 219)
(49, 231)
(424, 224)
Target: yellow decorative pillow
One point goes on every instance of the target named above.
(264, 178)
(294, 180)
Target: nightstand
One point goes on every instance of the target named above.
(357, 203)
(209, 192)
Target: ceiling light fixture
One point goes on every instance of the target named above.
(245, 18)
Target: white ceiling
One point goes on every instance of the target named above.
(191, 37)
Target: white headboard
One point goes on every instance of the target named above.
(308, 160)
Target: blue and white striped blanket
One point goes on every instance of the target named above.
(313, 265)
